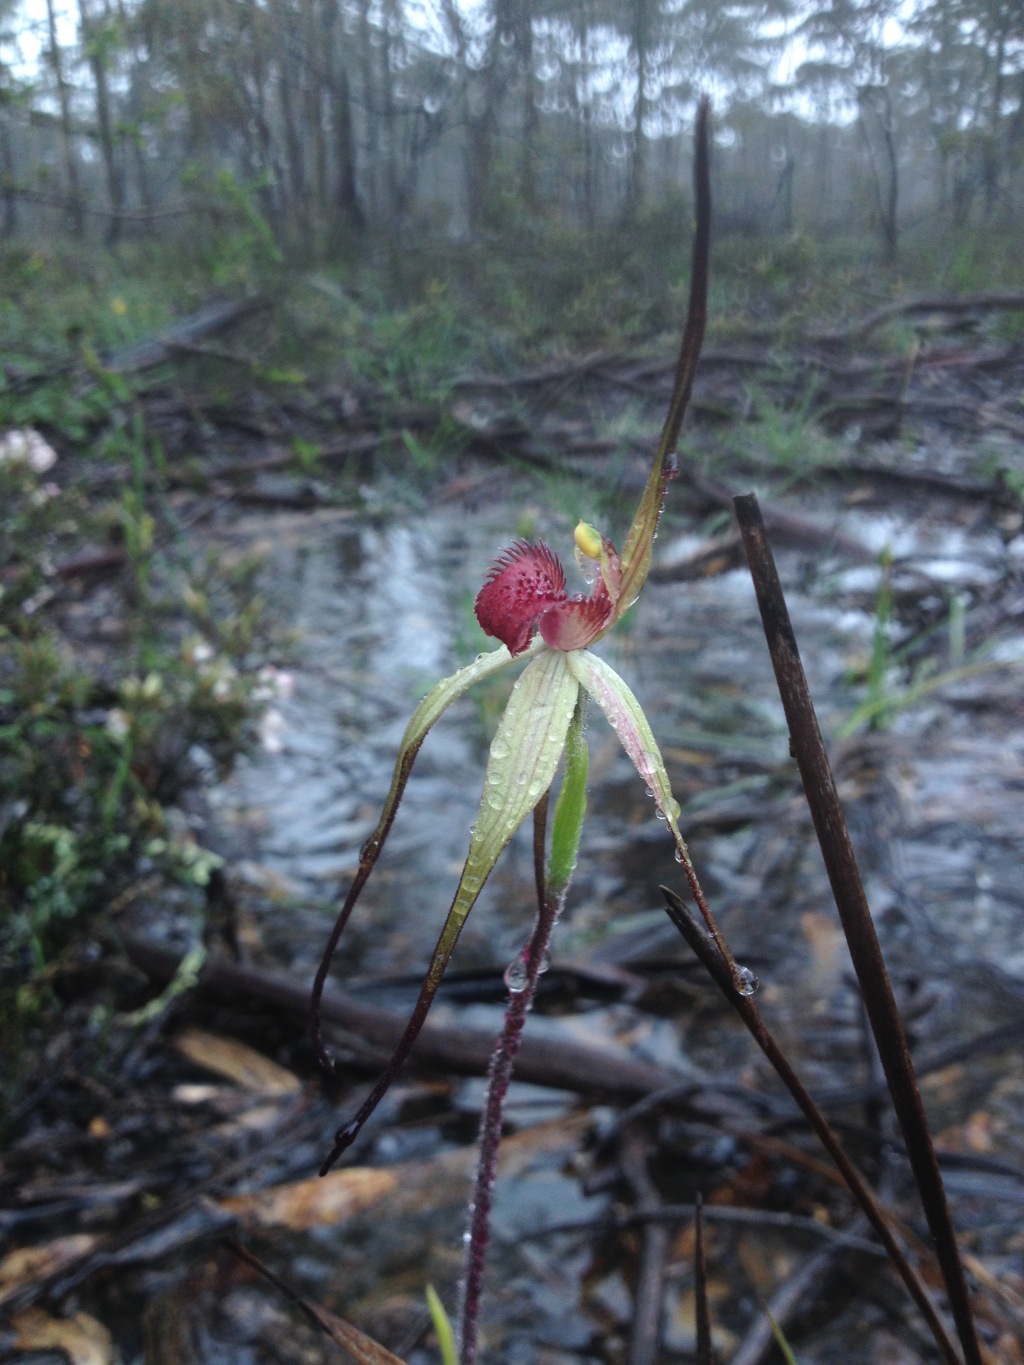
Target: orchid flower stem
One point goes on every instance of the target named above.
(522, 978)
(533, 958)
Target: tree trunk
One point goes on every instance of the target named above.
(528, 145)
(349, 206)
(76, 217)
(10, 200)
(95, 40)
(991, 158)
(289, 82)
(886, 177)
(640, 39)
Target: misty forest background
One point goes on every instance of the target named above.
(319, 128)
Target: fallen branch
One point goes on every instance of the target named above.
(143, 355)
(990, 301)
(560, 1065)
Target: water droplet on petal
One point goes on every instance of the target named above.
(747, 982)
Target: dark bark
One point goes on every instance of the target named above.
(96, 38)
(76, 217)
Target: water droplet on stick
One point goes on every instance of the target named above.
(746, 982)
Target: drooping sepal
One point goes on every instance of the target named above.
(627, 719)
(433, 705)
(524, 756)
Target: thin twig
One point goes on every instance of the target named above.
(865, 950)
(693, 930)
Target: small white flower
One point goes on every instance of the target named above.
(117, 723)
(272, 727)
(198, 651)
(27, 447)
(273, 684)
(45, 493)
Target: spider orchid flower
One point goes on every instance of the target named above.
(525, 604)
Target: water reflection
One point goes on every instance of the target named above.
(383, 610)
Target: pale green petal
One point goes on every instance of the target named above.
(524, 755)
(521, 766)
(442, 694)
(628, 721)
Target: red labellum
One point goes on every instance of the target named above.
(526, 590)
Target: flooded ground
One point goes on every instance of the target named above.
(381, 606)
(376, 598)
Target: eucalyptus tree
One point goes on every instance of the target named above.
(681, 47)
(856, 51)
(13, 96)
(972, 57)
(101, 38)
(57, 62)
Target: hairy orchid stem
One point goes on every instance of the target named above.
(521, 979)
(526, 969)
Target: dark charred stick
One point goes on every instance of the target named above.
(153, 350)
(1008, 300)
(808, 749)
(721, 1213)
(355, 1343)
(998, 1039)
(697, 936)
